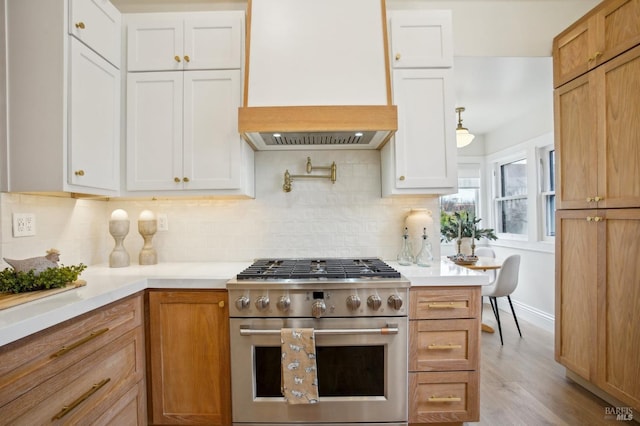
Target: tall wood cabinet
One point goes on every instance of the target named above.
(421, 157)
(64, 103)
(189, 379)
(597, 105)
(183, 92)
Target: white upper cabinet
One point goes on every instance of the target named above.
(97, 24)
(94, 125)
(421, 158)
(171, 41)
(64, 99)
(421, 39)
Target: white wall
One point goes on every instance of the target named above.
(317, 218)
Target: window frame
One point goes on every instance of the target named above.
(546, 189)
(497, 196)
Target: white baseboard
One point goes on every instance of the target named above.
(535, 316)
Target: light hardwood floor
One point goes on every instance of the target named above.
(521, 383)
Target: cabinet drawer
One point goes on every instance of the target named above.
(97, 24)
(440, 345)
(79, 393)
(443, 303)
(30, 361)
(444, 397)
(128, 410)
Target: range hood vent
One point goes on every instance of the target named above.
(317, 75)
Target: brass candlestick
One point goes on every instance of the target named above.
(119, 230)
(148, 255)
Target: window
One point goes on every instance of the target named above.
(511, 202)
(548, 191)
(468, 196)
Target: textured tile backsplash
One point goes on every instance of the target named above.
(316, 219)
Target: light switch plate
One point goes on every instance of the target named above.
(163, 222)
(24, 224)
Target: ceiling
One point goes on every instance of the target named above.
(496, 90)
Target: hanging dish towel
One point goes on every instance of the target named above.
(299, 371)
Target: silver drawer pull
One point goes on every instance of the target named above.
(390, 329)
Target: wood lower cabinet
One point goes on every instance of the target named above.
(598, 299)
(79, 372)
(444, 350)
(188, 357)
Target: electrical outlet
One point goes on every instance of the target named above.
(163, 222)
(24, 224)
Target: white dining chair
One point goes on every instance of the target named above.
(503, 286)
(487, 252)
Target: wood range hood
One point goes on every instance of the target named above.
(317, 75)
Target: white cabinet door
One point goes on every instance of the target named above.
(421, 39)
(213, 42)
(212, 144)
(94, 120)
(154, 43)
(422, 157)
(97, 24)
(154, 131)
(176, 41)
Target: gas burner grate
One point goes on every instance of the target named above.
(318, 269)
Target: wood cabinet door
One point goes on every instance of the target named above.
(576, 290)
(617, 25)
(573, 50)
(421, 39)
(619, 304)
(94, 120)
(576, 143)
(189, 357)
(212, 144)
(618, 100)
(425, 148)
(154, 131)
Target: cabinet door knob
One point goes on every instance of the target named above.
(596, 199)
(594, 56)
(79, 172)
(176, 179)
(177, 58)
(80, 25)
(401, 178)
(398, 56)
(221, 303)
(185, 179)
(187, 58)
(598, 219)
(589, 218)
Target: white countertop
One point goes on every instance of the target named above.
(106, 285)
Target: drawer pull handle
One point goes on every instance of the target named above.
(444, 399)
(68, 408)
(449, 305)
(439, 347)
(80, 342)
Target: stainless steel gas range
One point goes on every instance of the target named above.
(357, 309)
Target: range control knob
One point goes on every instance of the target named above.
(284, 302)
(395, 302)
(262, 303)
(374, 302)
(242, 302)
(318, 308)
(353, 302)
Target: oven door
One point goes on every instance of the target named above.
(362, 371)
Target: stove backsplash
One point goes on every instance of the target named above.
(316, 219)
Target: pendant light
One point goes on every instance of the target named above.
(463, 137)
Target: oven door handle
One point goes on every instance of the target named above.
(389, 329)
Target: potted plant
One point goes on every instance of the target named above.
(462, 224)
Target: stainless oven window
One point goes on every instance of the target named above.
(343, 371)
